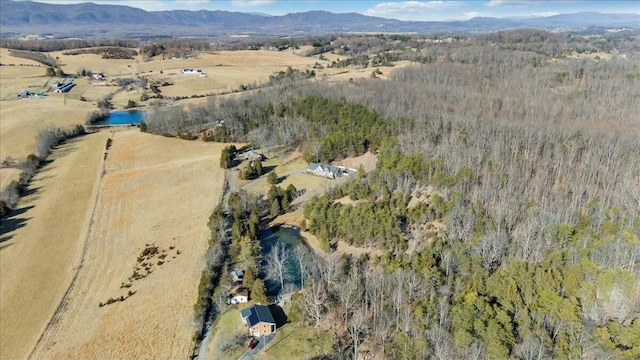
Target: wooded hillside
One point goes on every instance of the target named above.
(505, 201)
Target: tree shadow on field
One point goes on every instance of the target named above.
(268, 169)
(30, 191)
(4, 246)
(44, 166)
(13, 222)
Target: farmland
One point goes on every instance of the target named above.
(125, 203)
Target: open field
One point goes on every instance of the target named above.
(225, 70)
(158, 192)
(22, 118)
(42, 242)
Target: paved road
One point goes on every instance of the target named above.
(250, 353)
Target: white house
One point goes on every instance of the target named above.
(329, 171)
(241, 296)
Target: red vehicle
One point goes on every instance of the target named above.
(253, 343)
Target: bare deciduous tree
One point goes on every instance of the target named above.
(302, 256)
(276, 264)
(313, 298)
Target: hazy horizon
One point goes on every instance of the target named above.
(401, 10)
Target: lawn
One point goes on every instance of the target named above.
(228, 324)
(294, 341)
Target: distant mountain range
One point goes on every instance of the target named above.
(93, 20)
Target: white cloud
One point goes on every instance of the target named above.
(494, 3)
(412, 10)
(523, 3)
(251, 3)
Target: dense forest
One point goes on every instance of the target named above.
(505, 203)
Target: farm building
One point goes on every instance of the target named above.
(329, 171)
(63, 88)
(258, 320)
(192, 71)
(23, 94)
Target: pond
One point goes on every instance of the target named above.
(290, 238)
(124, 117)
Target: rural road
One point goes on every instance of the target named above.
(204, 345)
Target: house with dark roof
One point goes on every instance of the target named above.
(329, 171)
(258, 320)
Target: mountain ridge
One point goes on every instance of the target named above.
(62, 20)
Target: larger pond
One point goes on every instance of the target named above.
(124, 117)
(290, 238)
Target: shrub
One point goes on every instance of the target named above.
(130, 104)
(272, 178)
(97, 116)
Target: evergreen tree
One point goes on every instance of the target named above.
(258, 292)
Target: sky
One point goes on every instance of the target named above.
(434, 10)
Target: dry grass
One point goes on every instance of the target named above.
(297, 342)
(225, 70)
(7, 175)
(73, 64)
(155, 191)
(42, 244)
(368, 161)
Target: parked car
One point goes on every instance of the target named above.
(253, 343)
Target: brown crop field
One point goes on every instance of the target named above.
(156, 195)
(42, 243)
